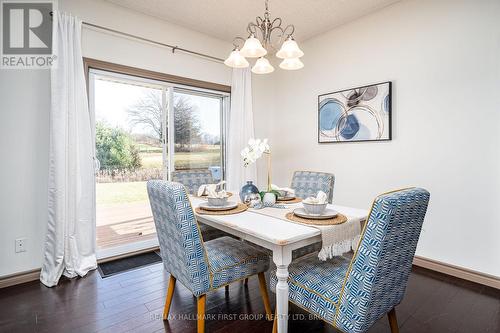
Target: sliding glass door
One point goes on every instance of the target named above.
(144, 129)
(198, 132)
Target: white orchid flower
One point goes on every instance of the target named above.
(254, 151)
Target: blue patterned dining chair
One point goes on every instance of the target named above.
(307, 184)
(192, 180)
(353, 294)
(200, 266)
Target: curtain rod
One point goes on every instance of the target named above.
(172, 47)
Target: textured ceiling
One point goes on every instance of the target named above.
(226, 19)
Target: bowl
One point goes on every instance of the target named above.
(282, 193)
(314, 208)
(218, 202)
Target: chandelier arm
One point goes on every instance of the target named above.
(252, 28)
(235, 41)
(278, 19)
(290, 26)
(284, 35)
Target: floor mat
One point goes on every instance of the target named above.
(126, 264)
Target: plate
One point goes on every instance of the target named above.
(285, 198)
(228, 206)
(327, 214)
(229, 194)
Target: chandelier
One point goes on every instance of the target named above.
(265, 35)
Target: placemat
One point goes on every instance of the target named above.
(293, 201)
(339, 219)
(229, 195)
(241, 208)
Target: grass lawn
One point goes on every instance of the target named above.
(196, 160)
(120, 192)
(113, 193)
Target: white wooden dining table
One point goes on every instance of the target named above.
(277, 235)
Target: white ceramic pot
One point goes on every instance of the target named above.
(269, 199)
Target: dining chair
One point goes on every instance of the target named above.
(200, 266)
(307, 184)
(353, 294)
(192, 180)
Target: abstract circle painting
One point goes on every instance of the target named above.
(358, 114)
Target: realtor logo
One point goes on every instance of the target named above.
(27, 34)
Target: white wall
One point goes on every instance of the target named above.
(24, 113)
(443, 58)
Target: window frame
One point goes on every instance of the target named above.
(171, 84)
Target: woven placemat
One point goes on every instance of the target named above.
(293, 201)
(229, 195)
(239, 209)
(339, 219)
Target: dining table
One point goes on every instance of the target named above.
(276, 234)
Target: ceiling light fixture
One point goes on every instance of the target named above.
(265, 35)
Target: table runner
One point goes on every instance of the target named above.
(336, 239)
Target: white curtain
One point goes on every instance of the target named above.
(240, 129)
(70, 241)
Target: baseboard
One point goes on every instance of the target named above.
(459, 272)
(18, 278)
(33, 275)
(433, 265)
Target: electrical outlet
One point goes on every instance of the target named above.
(20, 245)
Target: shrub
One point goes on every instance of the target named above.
(116, 149)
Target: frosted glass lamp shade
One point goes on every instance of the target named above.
(236, 60)
(289, 49)
(253, 48)
(291, 64)
(262, 66)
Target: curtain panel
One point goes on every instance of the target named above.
(240, 129)
(70, 241)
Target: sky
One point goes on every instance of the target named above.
(112, 99)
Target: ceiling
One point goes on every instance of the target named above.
(225, 19)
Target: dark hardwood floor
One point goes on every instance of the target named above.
(133, 302)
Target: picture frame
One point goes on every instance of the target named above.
(361, 114)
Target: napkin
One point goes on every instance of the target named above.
(289, 191)
(211, 190)
(321, 198)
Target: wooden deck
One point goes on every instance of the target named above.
(119, 224)
(126, 232)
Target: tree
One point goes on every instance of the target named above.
(115, 149)
(186, 122)
(148, 112)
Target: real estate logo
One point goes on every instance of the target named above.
(27, 41)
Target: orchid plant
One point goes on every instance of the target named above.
(255, 149)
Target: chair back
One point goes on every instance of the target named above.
(193, 179)
(309, 183)
(378, 274)
(181, 245)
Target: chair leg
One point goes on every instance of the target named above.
(265, 295)
(201, 313)
(226, 288)
(170, 294)
(246, 282)
(275, 322)
(393, 321)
